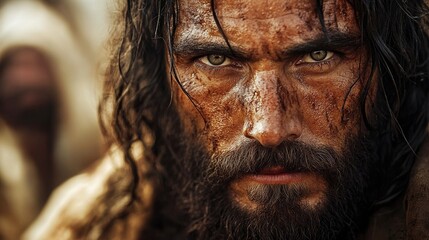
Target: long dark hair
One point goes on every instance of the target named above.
(137, 95)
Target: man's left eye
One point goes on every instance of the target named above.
(317, 56)
(215, 60)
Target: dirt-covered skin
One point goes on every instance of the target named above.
(272, 90)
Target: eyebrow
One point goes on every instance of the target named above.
(329, 41)
(196, 47)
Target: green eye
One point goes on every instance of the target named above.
(216, 60)
(319, 55)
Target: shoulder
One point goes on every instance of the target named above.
(91, 197)
(406, 218)
(417, 220)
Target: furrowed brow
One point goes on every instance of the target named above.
(192, 47)
(329, 41)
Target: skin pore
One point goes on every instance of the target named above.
(285, 81)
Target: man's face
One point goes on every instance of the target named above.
(27, 89)
(278, 115)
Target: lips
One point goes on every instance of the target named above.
(277, 175)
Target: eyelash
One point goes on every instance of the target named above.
(317, 65)
(205, 59)
(310, 59)
(233, 63)
(216, 70)
(320, 65)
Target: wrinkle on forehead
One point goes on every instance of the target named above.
(283, 23)
(337, 13)
(245, 9)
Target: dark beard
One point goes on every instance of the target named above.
(195, 200)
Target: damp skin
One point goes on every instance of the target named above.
(269, 90)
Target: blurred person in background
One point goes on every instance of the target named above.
(49, 71)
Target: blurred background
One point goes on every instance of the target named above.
(52, 60)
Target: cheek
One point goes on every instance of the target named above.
(329, 115)
(331, 110)
(187, 106)
(224, 122)
(216, 115)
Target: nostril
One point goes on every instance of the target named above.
(247, 128)
(293, 129)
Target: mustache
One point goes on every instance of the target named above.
(251, 158)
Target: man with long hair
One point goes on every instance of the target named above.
(300, 119)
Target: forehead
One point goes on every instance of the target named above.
(292, 20)
(263, 9)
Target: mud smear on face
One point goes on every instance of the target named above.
(201, 186)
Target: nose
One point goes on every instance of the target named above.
(272, 111)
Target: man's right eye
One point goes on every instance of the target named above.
(215, 60)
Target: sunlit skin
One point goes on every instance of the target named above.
(284, 82)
